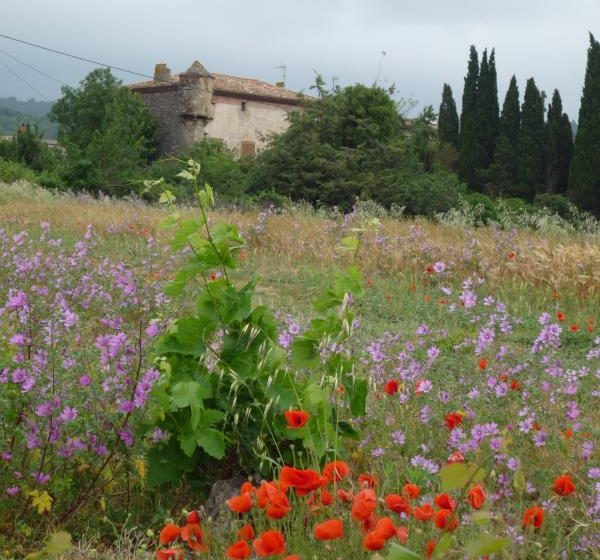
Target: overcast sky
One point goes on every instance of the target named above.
(426, 41)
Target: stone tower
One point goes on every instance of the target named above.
(196, 86)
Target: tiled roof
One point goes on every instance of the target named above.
(232, 86)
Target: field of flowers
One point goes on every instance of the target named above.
(382, 389)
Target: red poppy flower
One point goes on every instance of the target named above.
(303, 481)
(368, 480)
(476, 496)
(430, 548)
(452, 420)
(373, 541)
(169, 533)
(295, 419)
(240, 504)
(247, 488)
(364, 504)
(265, 492)
(326, 497)
(278, 506)
(329, 530)
(563, 485)
(170, 554)
(336, 471)
(412, 491)
(246, 533)
(574, 327)
(396, 503)
(445, 501)
(238, 550)
(292, 557)
(483, 363)
(192, 517)
(402, 534)
(429, 269)
(423, 513)
(560, 315)
(345, 496)
(192, 535)
(515, 385)
(385, 528)
(444, 519)
(270, 543)
(391, 387)
(456, 457)
(533, 516)
(568, 433)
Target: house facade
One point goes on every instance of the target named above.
(197, 104)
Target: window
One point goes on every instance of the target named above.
(243, 105)
(247, 148)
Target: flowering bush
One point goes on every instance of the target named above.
(75, 329)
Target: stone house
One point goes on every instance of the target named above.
(197, 104)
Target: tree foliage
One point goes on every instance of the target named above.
(349, 143)
(448, 124)
(107, 131)
(469, 147)
(487, 110)
(531, 169)
(584, 178)
(501, 177)
(559, 147)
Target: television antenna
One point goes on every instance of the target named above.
(282, 67)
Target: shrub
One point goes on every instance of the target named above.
(227, 380)
(428, 194)
(555, 203)
(488, 209)
(11, 171)
(218, 167)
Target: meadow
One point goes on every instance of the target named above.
(431, 388)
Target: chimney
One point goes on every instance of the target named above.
(162, 73)
(280, 84)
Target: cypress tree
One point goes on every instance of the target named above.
(510, 121)
(502, 175)
(531, 168)
(467, 159)
(559, 147)
(487, 109)
(448, 118)
(584, 178)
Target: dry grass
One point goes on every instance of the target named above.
(565, 263)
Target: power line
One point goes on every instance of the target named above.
(24, 81)
(33, 68)
(76, 57)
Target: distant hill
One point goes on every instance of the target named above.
(13, 112)
(30, 107)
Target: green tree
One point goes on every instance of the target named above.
(107, 131)
(350, 142)
(448, 124)
(584, 178)
(559, 147)
(531, 165)
(487, 110)
(502, 175)
(469, 148)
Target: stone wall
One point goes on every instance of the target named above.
(166, 105)
(236, 121)
(244, 125)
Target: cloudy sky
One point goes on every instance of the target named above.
(425, 41)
